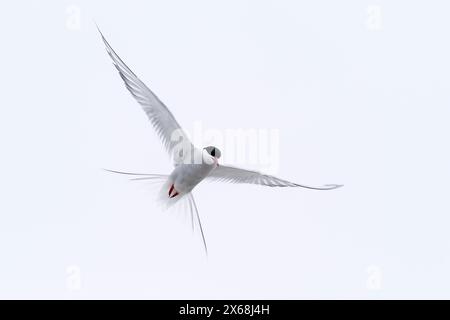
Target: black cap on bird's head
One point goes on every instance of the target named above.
(213, 151)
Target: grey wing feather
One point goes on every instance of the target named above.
(165, 124)
(237, 175)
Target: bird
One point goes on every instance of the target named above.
(192, 164)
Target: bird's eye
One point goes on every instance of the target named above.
(213, 151)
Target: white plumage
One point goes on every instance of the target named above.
(192, 165)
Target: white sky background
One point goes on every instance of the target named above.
(356, 101)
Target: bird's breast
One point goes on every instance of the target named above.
(187, 176)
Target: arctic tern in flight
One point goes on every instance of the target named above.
(192, 164)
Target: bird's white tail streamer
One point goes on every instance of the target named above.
(185, 203)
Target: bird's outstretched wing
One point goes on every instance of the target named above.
(167, 128)
(237, 175)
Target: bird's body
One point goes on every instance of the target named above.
(192, 164)
(184, 178)
(187, 176)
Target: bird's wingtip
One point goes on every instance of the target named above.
(334, 186)
(98, 29)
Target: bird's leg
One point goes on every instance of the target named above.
(172, 189)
